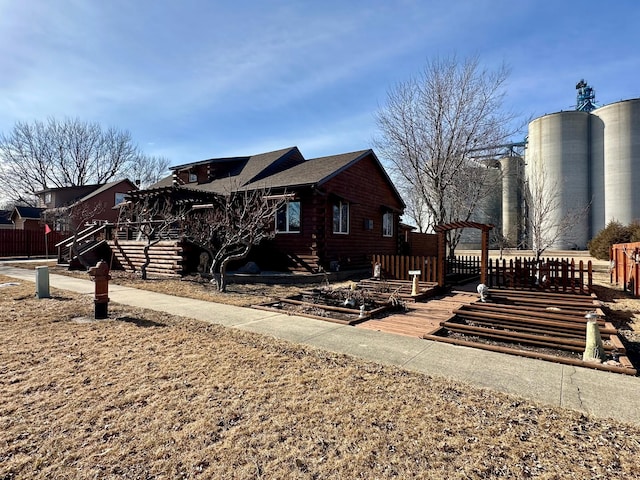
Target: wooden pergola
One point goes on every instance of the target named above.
(443, 228)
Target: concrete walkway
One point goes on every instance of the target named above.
(602, 394)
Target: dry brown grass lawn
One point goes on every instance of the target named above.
(146, 395)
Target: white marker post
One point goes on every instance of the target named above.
(42, 282)
(415, 286)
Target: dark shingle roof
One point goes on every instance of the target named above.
(29, 212)
(284, 168)
(5, 217)
(310, 172)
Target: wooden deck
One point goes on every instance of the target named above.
(421, 318)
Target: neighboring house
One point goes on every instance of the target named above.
(69, 207)
(27, 218)
(5, 220)
(340, 210)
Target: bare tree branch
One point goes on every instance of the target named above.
(62, 153)
(228, 227)
(429, 128)
(148, 170)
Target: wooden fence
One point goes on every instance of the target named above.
(463, 266)
(625, 266)
(28, 243)
(397, 266)
(560, 275)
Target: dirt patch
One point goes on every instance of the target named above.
(153, 396)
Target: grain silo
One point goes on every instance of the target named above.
(617, 146)
(488, 208)
(512, 168)
(558, 163)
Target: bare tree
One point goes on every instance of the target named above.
(545, 221)
(430, 127)
(148, 170)
(415, 209)
(61, 153)
(229, 226)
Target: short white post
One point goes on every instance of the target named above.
(594, 350)
(415, 285)
(42, 282)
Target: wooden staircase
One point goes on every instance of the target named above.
(167, 257)
(303, 263)
(90, 247)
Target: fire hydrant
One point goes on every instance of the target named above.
(101, 277)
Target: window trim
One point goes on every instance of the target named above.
(287, 219)
(389, 233)
(340, 204)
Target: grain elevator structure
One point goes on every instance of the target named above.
(587, 159)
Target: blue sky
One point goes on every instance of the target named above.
(195, 79)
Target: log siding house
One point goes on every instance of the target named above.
(341, 209)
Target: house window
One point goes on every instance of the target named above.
(288, 218)
(47, 197)
(119, 198)
(341, 217)
(193, 177)
(387, 224)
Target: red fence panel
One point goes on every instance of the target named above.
(28, 243)
(625, 266)
(555, 274)
(397, 266)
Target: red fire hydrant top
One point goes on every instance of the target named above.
(100, 275)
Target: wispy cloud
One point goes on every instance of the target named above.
(197, 78)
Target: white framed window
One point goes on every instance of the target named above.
(119, 198)
(387, 224)
(47, 197)
(341, 217)
(288, 218)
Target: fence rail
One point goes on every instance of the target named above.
(560, 275)
(28, 243)
(463, 266)
(625, 266)
(397, 266)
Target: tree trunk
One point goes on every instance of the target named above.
(213, 270)
(220, 277)
(147, 259)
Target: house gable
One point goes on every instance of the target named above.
(355, 186)
(26, 218)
